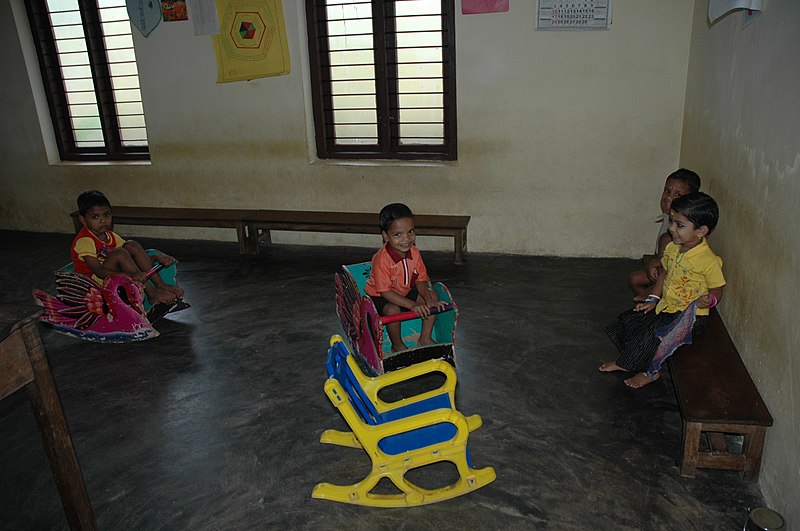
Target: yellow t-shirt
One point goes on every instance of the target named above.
(689, 275)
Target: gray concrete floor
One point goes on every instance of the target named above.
(215, 424)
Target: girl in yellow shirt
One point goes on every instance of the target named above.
(689, 284)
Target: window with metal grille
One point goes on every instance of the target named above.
(88, 65)
(383, 78)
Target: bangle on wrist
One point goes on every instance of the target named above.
(652, 298)
(714, 300)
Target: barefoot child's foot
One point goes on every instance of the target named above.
(423, 342)
(641, 379)
(175, 290)
(399, 347)
(609, 366)
(157, 295)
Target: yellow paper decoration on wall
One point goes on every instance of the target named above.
(251, 41)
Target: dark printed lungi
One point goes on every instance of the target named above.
(634, 335)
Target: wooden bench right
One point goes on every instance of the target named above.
(716, 396)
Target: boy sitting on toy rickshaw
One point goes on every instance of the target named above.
(398, 279)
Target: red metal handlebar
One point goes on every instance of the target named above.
(405, 316)
(158, 266)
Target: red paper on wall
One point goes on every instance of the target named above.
(174, 10)
(474, 7)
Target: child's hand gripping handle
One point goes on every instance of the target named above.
(405, 316)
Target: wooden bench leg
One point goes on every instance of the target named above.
(460, 245)
(252, 238)
(691, 448)
(752, 448)
(55, 435)
(717, 441)
(242, 238)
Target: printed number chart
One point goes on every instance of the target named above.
(573, 15)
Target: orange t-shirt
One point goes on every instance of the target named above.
(393, 272)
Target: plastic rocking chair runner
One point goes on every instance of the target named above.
(399, 436)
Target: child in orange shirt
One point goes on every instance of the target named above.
(398, 280)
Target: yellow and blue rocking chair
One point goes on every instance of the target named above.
(398, 436)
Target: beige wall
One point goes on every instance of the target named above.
(564, 138)
(741, 131)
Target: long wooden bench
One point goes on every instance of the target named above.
(716, 396)
(182, 217)
(356, 223)
(248, 223)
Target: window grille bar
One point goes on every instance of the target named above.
(430, 114)
(62, 55)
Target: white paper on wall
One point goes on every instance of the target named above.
(718, 8)
(144, 15)
(571, 15)
(203, 14)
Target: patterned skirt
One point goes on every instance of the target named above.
(634, 335)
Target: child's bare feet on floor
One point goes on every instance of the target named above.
(175, 290)
(424, 342)
(157, 295)
(609, 366)
(641, 379)
(399, 348)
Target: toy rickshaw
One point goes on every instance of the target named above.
(364, 326)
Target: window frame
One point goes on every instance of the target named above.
(55, 90)
(388, 146)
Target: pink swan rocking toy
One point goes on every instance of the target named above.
(116, 312)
